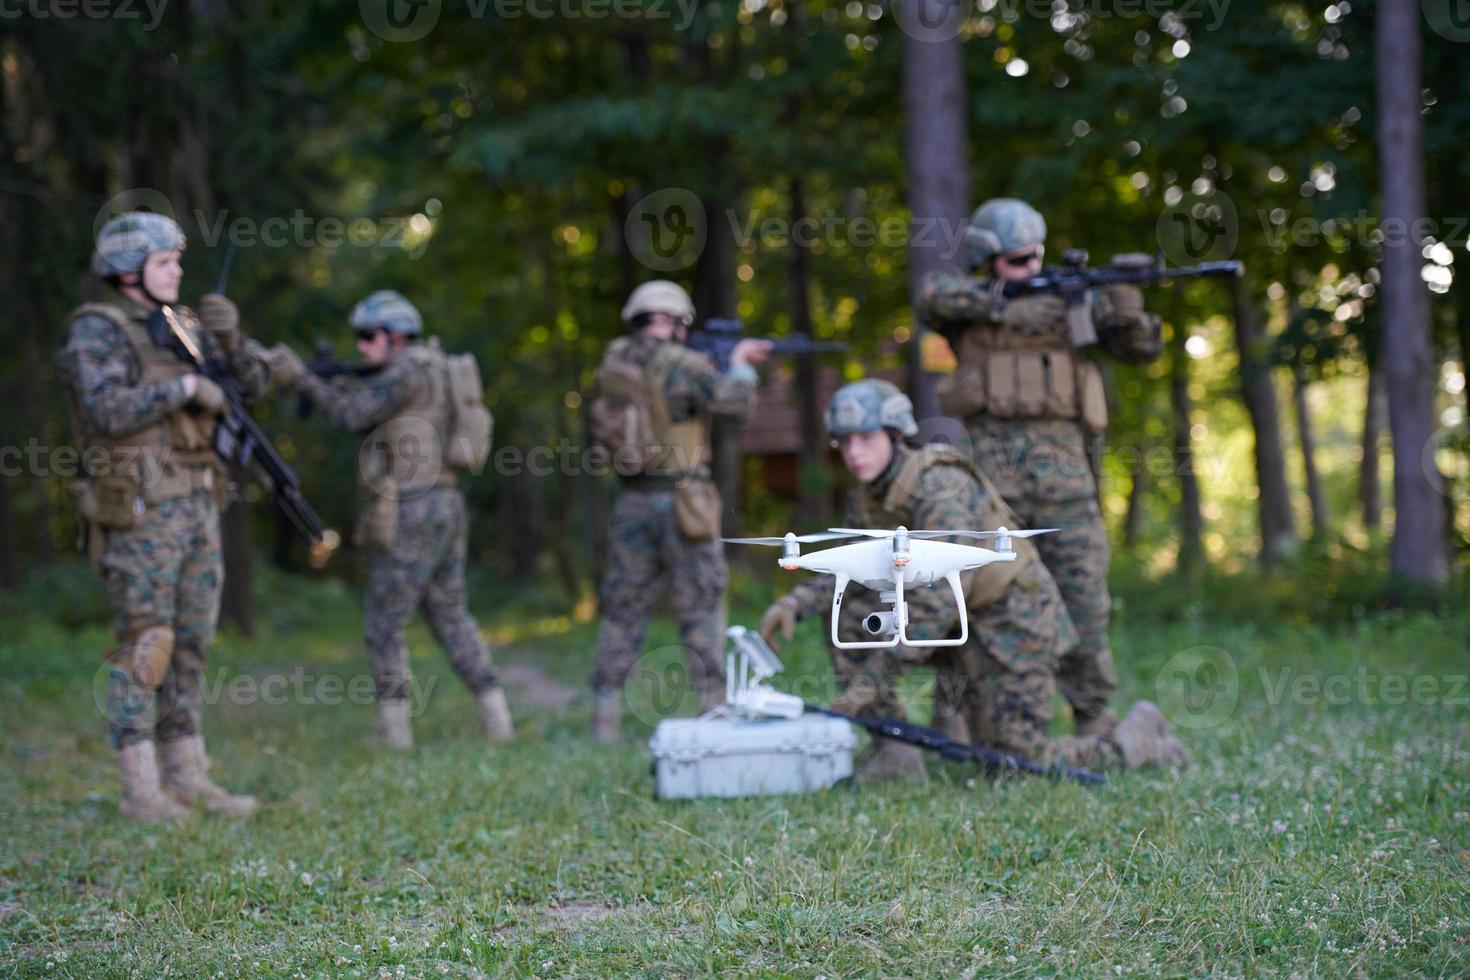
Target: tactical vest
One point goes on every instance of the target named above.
(983, 586)
(406, 454)
(1024, 367)
(125, 475)
(676, 449)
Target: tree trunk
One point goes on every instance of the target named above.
(1370, 487)
(9, 563)
(565, 364)
(1315, 494)
(936, 141)
(1278, 529)
(1191, 522)
(595, 501)
(813, 489)
(1417, 552)
(1137, 491)
(237, 599)
(33, 378)
(714, 296)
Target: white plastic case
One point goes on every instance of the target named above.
(695, 757)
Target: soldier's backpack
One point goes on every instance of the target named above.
(628, 416)
(470, 423)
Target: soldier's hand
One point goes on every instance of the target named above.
(1126, 301)
(221, 319)
(779, 618)
(286, 366)
(751, 352)
(205, 394)
(856, 695)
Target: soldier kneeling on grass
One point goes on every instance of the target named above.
(1019, 627)
(428, 420)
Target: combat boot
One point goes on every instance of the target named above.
(607, 715)
(1144, 740)
(495, 714)
(892, 760)
(1097, 724)
(186, 777)
(393, 731)
(142, 798)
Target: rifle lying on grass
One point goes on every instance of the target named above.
(995, 763)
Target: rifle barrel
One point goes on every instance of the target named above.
(936, 741)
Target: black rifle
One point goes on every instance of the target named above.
(238, 438)
(1075, 279)
(718, 338)
(995, 763)
(324, 365)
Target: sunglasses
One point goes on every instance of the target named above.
(1021, 261)
(368, 336)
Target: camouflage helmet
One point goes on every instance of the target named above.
(1002, 224)
(659, 296)
(125, 242)
(870, 405)
(387, 308)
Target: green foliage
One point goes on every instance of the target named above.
(496, 162)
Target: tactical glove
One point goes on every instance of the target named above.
(286, 366)
(221, 320)
(208, 396)
(1125, 304)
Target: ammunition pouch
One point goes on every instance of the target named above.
(377, 525)
(697, 509)
(681, 449)
(1027, 384)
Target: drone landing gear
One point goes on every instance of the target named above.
(893, 624)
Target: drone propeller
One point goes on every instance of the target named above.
(798, 538)
(998, 533)
(1002, 532)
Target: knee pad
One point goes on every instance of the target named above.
(150, 654)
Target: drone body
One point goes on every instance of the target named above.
(888, 563)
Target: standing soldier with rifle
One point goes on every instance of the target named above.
(427, 415)
(1032, 400)
(147, 421)
(1019, 627)
(654, 400)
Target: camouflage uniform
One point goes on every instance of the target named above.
(166, 570)
(645, 544)
(420, 560)
(1030, 427)
(1019, 627)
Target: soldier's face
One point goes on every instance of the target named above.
(866, 454)
(162, 274)
(1018, 263)
(373, 345)
(664, 326)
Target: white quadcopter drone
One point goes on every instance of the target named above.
(890, 561)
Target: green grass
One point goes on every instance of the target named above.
(1315, 835)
